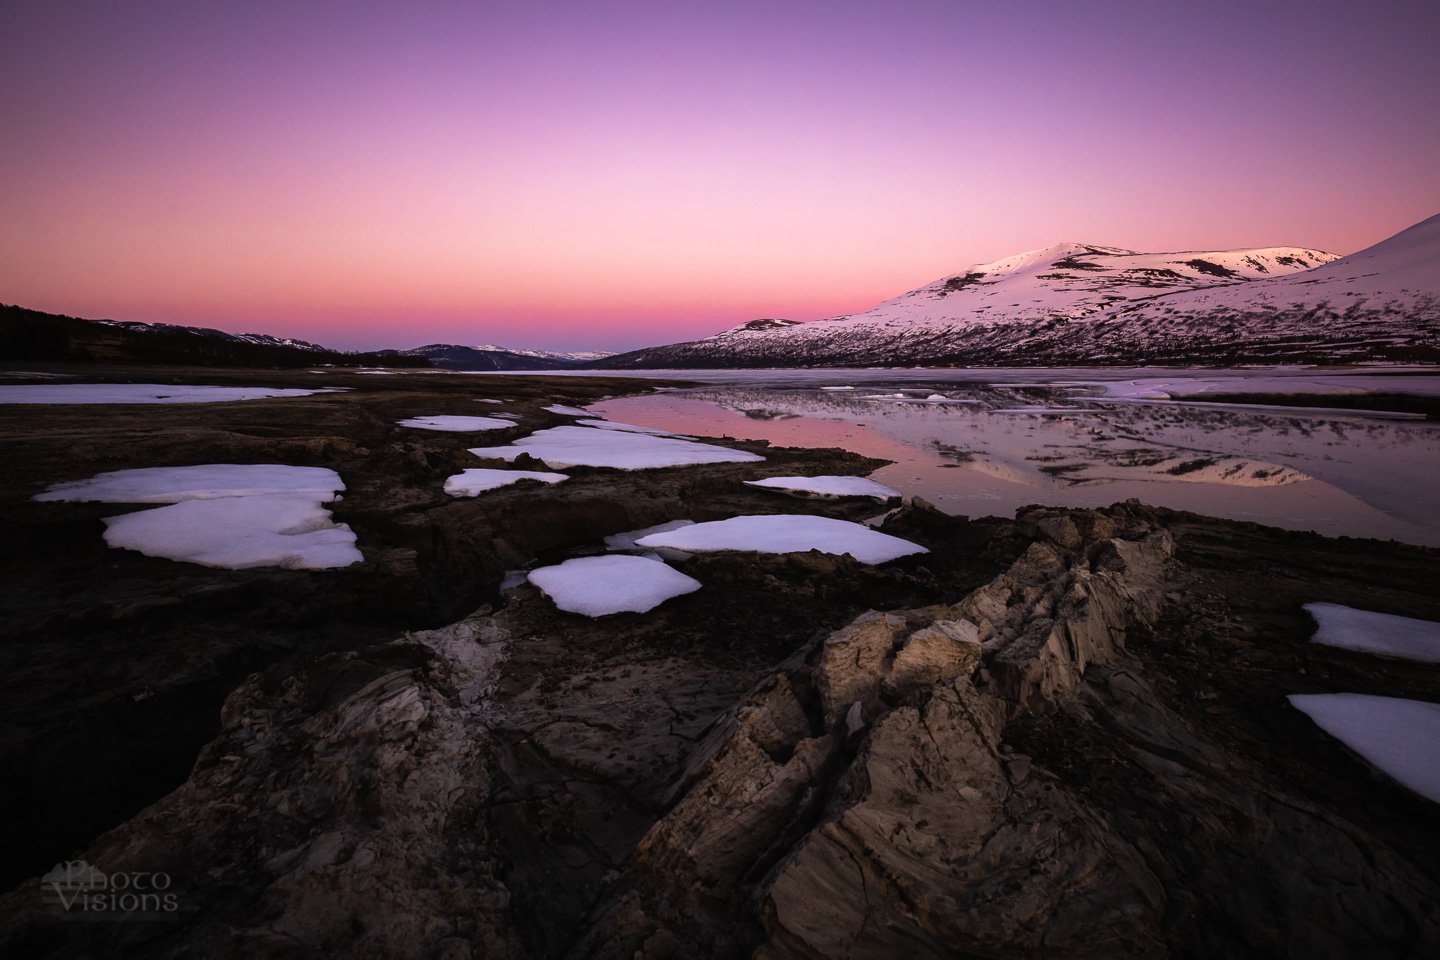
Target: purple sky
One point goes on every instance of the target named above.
(622, 174)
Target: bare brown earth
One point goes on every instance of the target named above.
(1062, 735)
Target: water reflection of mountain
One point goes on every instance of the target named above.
(1059, 445)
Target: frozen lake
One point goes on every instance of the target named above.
(980, 442)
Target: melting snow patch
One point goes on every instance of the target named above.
(827, 486)
(205, 481)
(786, 533)
(565, 411)
(141, 393)
(598, 586)
(568, 446)
(475, 481)
(1379, 633)
(1399, 737)
(628, 427)
(457, 424)
(224, 515)
(625, 542)
(489, 401)
(837, 388)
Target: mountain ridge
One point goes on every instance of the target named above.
(1077, 303)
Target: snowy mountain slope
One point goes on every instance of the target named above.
(574, 356)
(261, 339)
(1080, 303)
(451, 356)
(1382, 301)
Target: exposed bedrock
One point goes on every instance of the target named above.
(1024, 772)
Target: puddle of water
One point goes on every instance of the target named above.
(997, 447)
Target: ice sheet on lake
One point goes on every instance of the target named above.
(827, 486)
(142, 393)
(451, 424)
(1379, 633)
(786, 533)
(1399, 737)
(598, 586)
(565, 411)
(477, 480)
(224, 514)
(571, 446)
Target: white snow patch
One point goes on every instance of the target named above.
(565, 411)
(142, 393)
(827, 486)
(1379, 633)
(598, 586)
(476, 480)
(628, 427)
(837, 388)
(489, 401)
(205, 481)
(569, 446)
(450, 424)
(1399, 737)
(626, 541)
(224, 514)
(786, 533)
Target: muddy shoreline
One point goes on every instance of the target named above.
(396, 759)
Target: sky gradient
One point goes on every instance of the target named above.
(615, 175)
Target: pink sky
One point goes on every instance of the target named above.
(613, 175)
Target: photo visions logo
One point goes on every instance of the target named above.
(80, 891)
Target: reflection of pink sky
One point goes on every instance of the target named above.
(994, 488)
(700, 418)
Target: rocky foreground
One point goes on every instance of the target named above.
(1062, 735)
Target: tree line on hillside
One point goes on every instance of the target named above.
(32, 335)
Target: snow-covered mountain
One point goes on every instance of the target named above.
(453, 356)
(261, 339)
(572, 356)
(1080, 303)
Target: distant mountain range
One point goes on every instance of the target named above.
(450, 356)
(1071, 303)
(1085, 304)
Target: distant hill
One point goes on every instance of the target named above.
(1085, 304)
(36, 336)
(451, 356)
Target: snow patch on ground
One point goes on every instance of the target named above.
(224, 514)
(599, 586)
(628, 427)
(142, 393)
(457, 424)
(1379, 633)
(786, 533)
(569, 446)
(565, 411)
(626, 541)
(827, 486)
(1399, 737)
(205, 481)
(477, 480)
